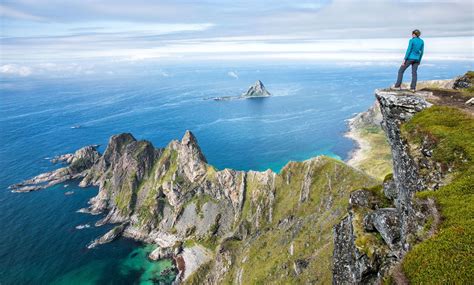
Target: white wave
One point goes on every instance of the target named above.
(262, 119)
(84, 226)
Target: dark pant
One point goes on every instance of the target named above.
(414, 68)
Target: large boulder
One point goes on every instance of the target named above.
(386, 221)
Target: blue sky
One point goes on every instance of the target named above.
(45, 32)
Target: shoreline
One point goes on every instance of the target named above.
(371, 153)
(362, 145)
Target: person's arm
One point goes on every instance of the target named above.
(422, 50)
(410, 46)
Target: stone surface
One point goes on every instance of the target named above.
(470, 102)
(387, 223)
(161, 253)
(193, 258)
(256, 90)
(462, 82)
(399, 107)
(351, 266)
(79, 162)
(414, 170)
(390, 189)
(108, 237)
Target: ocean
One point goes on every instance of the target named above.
(42, 116)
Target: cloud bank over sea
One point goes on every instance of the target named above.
(75, 35)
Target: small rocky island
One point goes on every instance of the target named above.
(257, 90)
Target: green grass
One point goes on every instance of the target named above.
(451, 130)
(267, 257)
(198, 276)
(377, 159)
(448, 256)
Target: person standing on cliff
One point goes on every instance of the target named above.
(412, 57)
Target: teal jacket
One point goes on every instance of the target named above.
(415, 49)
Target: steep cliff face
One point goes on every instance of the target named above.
(383, 224)
(396, 109)
(376, 233)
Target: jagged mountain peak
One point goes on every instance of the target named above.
(257, 90)
(189, 138)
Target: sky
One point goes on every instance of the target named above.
(45, 33)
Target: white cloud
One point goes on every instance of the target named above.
(16, 70)
(233, 74)
(125, 30)
(6, 12)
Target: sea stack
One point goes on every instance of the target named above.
(256, 90)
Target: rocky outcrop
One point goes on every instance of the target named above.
(464, 81)
(360, 256)
(108, 237)
(382, 223)
(398, 108)
(256, 90)
(78, 164)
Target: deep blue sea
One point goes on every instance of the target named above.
(305, 117)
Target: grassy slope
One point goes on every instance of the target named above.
(448, 256)
(265, 258)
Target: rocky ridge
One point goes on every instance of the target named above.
(173, 198)
(384, 222)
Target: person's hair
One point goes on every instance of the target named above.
(416, 33)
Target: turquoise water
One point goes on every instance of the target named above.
(39, 242)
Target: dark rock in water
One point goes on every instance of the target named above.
(224, 98)
(256, 90)
(108, 237)
(169, 271)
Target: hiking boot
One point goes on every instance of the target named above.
(393, 88)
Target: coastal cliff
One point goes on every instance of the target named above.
(416, 226)
(317, 221)
(219, 225)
